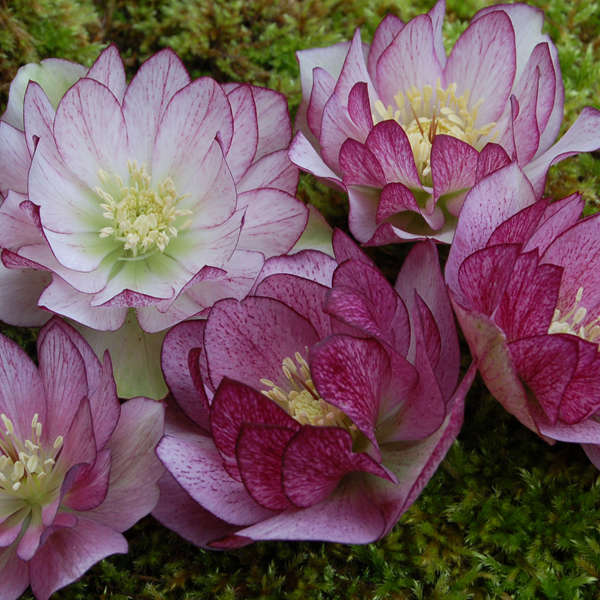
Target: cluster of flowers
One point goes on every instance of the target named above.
(280, 387)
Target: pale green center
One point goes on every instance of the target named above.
(572, 321)
(143, 216)
(26, 468)
(425, 113)
(301, 399)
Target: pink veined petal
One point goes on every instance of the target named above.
(582, 396)
(306, 297)
(353, 71)
(175, 362)
(483, 61)
(345, 248)
(274, 126)
(323, 85)
(362, 217)
(273, 221)
(178, 511)
(147, 97)
(235, 404)
(316, 459)
(308, 264)
(410, 60)
(21, 388)
(386, 31)
(198, 468)
(65, 383)
(491, 158)
(38, 116)
(395, 198)
(390, 146)
(567, 250)
(259, 452)
(110, 71)
(362, 298)
(244, 142)
(350, 373)
(558, 217)
(593, 453)
(421, 273)
(304, 155)
(15, 159)
(453, 165)
(79, 445)
(511, 191)
(14, 573)
(530, 297)
(91, 133)
(546, 365)
(336, 128)
(582, 136)
(90, 485)
(437, 14)
(194, 117)
(266, 331)
(490, 352)
(273, 170)
(359, 107)
(348, 515)
(135, 469)
(69, 552)
(330, 59)
(484, 275)
(525, 129)
(359, 165)
(59, 297)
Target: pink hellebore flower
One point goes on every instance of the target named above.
(147, 202)
(525, 288)
(406, 130)
(76, 468)
(297, 423)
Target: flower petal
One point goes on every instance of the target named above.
(266, 331)
(483, 62)
(135, 469)
(147, 97)
(110, 71)
(316, 459)
(198, 468)
(259, 453)
(69, 552)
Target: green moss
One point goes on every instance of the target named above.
(506, 516)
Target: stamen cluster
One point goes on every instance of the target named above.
(302, 400)
(142, 217)
(572, 321)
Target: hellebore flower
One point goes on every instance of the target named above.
(297, 423)
(406, 130)
(524, 284)
(148, 202)
(76, 468)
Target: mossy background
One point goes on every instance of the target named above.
(506, 516)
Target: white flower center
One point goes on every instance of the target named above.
(26, 467)
(575, 321)
(142, 216)
(302, 401)
(425, 113)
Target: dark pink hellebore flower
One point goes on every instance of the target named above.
(525, 288)
(407, 130)
(316, 409)
(76, 468)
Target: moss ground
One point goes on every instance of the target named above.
(506, 516)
